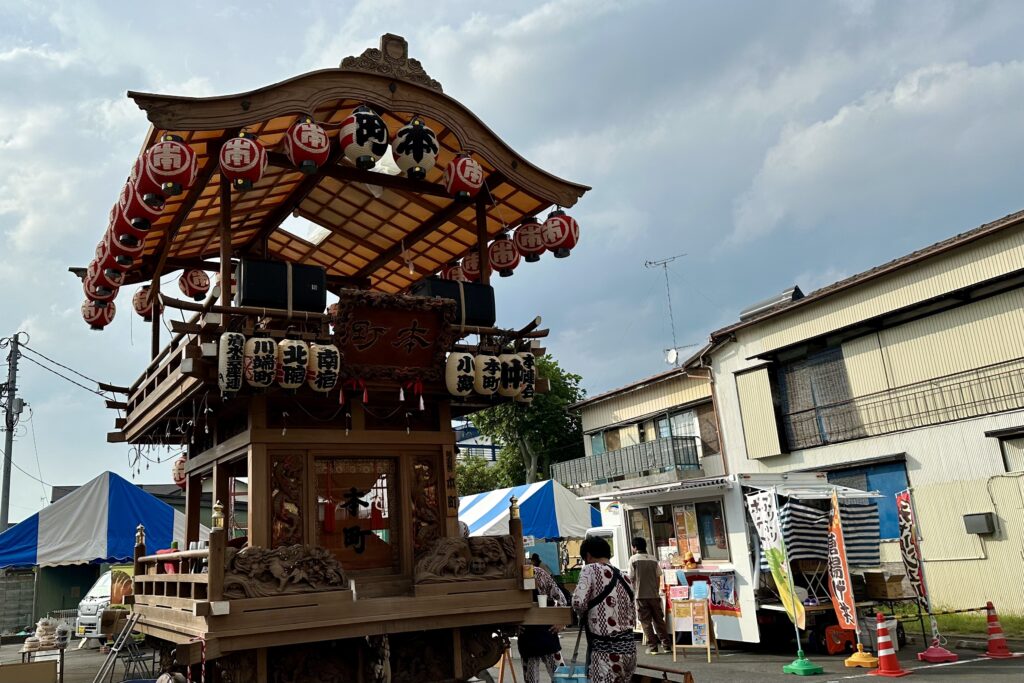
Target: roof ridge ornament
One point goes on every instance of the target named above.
(391, 59)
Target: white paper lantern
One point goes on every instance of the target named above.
(178, 472)
(323, 367)
(529, 377)
(230, 362)
(510, 382)
(415, 148)
(260, 361)
(459, 375)
(486, 373)
(292, 359)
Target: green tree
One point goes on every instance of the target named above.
(474, 475)
(535, 435)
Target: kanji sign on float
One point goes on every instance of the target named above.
(415, 148)
(230, 362)
(363, 137)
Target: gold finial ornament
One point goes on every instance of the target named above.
(217, 518)
(513, 508)
(140, 535)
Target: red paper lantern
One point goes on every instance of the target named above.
(243, 161)
(98, 316)
(123, 247)
(503, 255)
(107, 261)
(363, 137)
(129, 233)
(107, 278)
(167, 168)
(415, 148)
(194, 283)
(463, 177)
(96, 289)
(471, 266)
(456, 273)
(137, 213)
(529, 239)
(178, 472)
(306, 145)
(561, 233)
(142, 303)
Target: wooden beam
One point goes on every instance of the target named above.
(113, 388)
(117, 405)
(351, 174)
(154, 296)
(225, 241)
(481, 238)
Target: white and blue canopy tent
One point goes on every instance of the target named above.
(93, 524)
(548, 510)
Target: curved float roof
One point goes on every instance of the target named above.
(375, 221)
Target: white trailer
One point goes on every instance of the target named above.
(725, 542)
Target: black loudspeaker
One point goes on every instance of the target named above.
(264, 284)
(476, 299)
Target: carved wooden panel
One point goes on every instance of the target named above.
(287, 473)
(426, 517)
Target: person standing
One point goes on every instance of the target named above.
(646, 575)
(539, 644)
(605, 603)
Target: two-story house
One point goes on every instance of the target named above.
(908, 374)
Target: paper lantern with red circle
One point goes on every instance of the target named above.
(194, 283)
(503, 255)
(456, 273)
(97, 291)
(130, 234)
(178, 472)
(363, 137)
(122, 248)
(98, 316)
(142, 304)
(529, 239)
(561, 233)
(106, 278)
(169, 167)
(415, 148)
(464, 177)
(243, 161)
(306, 145)
(471, 265)
(137, 213)
(112, 263)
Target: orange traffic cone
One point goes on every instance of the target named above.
(888, 664)
(997, 648)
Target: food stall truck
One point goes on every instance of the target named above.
(707, 517)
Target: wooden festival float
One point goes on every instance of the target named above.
(349, 560)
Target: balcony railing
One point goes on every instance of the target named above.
(983, 391)
(660, 455)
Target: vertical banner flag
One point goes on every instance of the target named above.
(765, 514)
(909, 548)
(839, 571)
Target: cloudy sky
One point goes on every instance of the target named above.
(772, 143)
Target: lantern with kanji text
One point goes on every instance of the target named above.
(98, 316)
(323, 369)
(137, 214)
(243, 161)
(459, 374)
(107, 260)
(529, 384)
(471, 266)
(292, 359)
(100, 278)
(306, 145)
(463, 177)
(260, 362)
(123, 248)
(97, 291)
(486, 374)
(454, 272)
(143, 303)
(363, 137)
(415, 148)
(178, 472)
(194, 283)
(230, 362)
(503, 255)
(529, 239)
(510, 381)
(167, 168)
(561, 233)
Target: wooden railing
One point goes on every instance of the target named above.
(198, 574)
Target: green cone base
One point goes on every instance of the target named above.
(801, 666)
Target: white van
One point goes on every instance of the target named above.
(112, 586)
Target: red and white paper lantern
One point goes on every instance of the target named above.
(561, 233)
(167, 168)
(194, 283)
(260, 362)
(243, 161)
(306, 145)
(107, 279)
(142, 303)
(503, 255)
(453, 271)
(97, 291)
(529, 239)
(98, 316)
(136, 213)
(178, 472)
(322, 371)
(471, 266)
(415, 148)
(118, 262)
(123, 249)
(292, 359)
(363, 137)
(463, 177)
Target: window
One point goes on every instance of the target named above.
(597, 443)
(612, 440)
(664, 531)
(888, 479)
(357, 511)
(1013, 455)
(640, 526)
(700, 528)
(708, 425)
(815, 395)
(683, 424)
(664, 429)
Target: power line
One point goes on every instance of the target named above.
(39, 467)
(28, 348)
(66, 378)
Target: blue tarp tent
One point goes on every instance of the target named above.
(94, 523)
(548, 510)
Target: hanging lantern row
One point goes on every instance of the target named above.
(558, 234)
(143, 305)
(513, 375)
(167, 168)
(260, 362)
(243, 160)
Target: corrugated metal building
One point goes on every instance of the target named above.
(911, 373)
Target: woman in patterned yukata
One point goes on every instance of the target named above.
(540, 644)
(604, 600)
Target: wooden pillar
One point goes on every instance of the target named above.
(262, 676)
(221, 488)
(218, 542)
(481, 237)
(193, 508)
(154, 295)
(225, 241)
(259, 496)
(515, 529)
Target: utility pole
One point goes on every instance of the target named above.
(14, 408)
(663, 264)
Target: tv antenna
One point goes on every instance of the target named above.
(671, 354)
